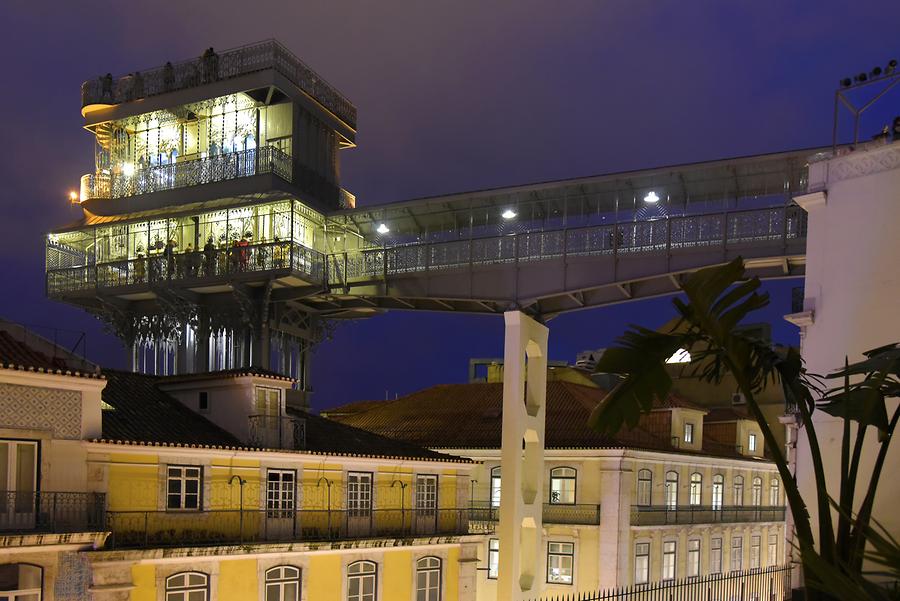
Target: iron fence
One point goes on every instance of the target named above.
(277, 432)
(582, 514)
(764, 584)
(656, 515)
(281, 524)
(48, 512)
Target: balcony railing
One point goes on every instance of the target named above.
(553, 513)
(225, 65)
(699, 514)
(277, 432)
(186, 528)
(182, 174)
(50, 512)
(195, 266)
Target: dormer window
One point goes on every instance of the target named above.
(751, 443)
(268, 401)
(688, 433)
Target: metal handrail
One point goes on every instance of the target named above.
(49, 512)
(658, 515)
(277, 432)
(583, 514)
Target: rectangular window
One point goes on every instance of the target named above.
(562, 485)
(737, 553)
(773, 550)
(426, 493)
(751, 443)
(203, 402)
(754, 551)
(280, 493)
(183, 487)
(560, 562)
(495, 487)
(268, 401)
(642, 563)
(644, 484)
(715, 556)
(668, 560)
(688, 432)
(693, 563)
(359, 494)
(493, 558)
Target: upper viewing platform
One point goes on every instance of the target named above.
(212, 67)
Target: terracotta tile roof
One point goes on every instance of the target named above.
(227, 373)
(352, 408)
(24, 350)
(676, 401)
(726, 414)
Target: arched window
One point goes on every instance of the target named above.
(428, 579)
(738, 491)
(283, 584)
(21, 582)
(774, 492)
(756, 492)
(495, 487)
(718, 488)
(645, 487)
(187, 586)
(562, 485)
(361, 581)
(671, 490)
(696, 488)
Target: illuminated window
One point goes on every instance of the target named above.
(187, 586)
(183, 487)
(283, 584)
(495, 486)
(696, 488)
(688, 432)
(715, 556)
(562, 485)
(737, 553)
(560, 562)
(21, 582)
(359, 494)
(751, 443)
(642, 563)
(738, 491)
(644, 487)
(693, 558)
(493, 558)
(426, 494)
(668, 560)
(671, 490)
(774, 496)
(280, 492)
(756, 492)
(428, 579)
(361, 581)
(718, 487)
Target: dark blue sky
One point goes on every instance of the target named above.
(452, 95)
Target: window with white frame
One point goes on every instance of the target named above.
(283, 584)
(281, 487)
(715, 556)
(428, 579)
(751, 443)
(774, 492)
(718, 489)
(426, 494)
(495, 486)
(671, 490)
(756, 492)
(693, 557)
(493, 558)
(641, 563)
(359, 494)
(773, 550)
(562, 485)
(737, 553)
(560, 562)
(696, 495)
(688, 432)
(754, 551)
(21, 582)
(361, 581)
(187, 586)
(644, 487)
(668, 560)
(183, 487)
(738, 491)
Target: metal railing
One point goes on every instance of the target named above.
(725, 230)
(210, 264)
(771, 583)
(656, 515)
(553, 513)
(277, 432)
(186, 528)
(224, 65)
(182, 174)
(49, 512)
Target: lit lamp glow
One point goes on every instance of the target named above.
(128, 169)
(651, 197)
(382, 229)
(509, 214)
(73, 196)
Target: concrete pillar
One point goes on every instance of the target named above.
(522, 473)
(851, 296)
(615, 525)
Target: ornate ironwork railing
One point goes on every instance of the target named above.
(52, 512)
(656, 515)
(277, 432)
(553, 513)
(210, 265)
(182, 174)
(725, 230)
(186, 528)
(224, 65)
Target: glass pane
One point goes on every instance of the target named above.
(291, 591)
(4, 466)
(25, 463)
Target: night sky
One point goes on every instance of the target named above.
(452, 96)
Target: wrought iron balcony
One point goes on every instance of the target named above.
(553, 513)
(52, 512)
(182, 174)
(224, 65)
(657, 515)
(188, 528)
(277, 432)
(194, 268)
